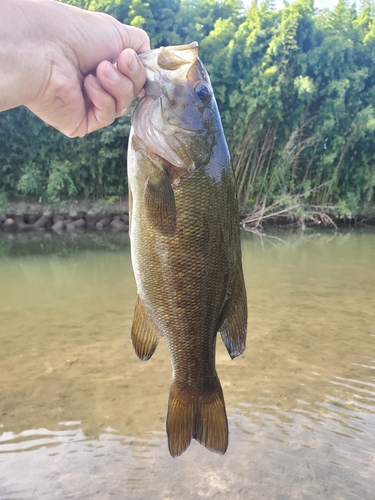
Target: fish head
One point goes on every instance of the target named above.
(177, 119)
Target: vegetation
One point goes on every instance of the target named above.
(295, 88)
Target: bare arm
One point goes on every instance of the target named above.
(76, 70)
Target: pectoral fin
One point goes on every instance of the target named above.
(234, 326)
(160, 203)
(144, 335)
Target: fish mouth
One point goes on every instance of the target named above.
(170, 58)
(174, 62)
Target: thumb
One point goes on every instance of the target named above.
(95, 37)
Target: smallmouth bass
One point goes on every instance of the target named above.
(185, 241)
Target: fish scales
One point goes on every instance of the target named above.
(185, 243)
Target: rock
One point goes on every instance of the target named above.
(68, 221)
(48, 214)
(59, 226)
(79, 223)
(19, 219)
(41, 223)
(10, 225)
(73, 214)
(32, 218)
(22, 226)
(91, 219)
(125, 218)
(119, 225)
(3, 217)
(57, 218)
(70, 226)
(103, 223)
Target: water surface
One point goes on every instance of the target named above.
(81, 417)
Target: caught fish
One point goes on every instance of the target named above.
(185, 241)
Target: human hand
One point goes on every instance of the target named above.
(76, 70)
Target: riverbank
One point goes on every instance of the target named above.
(104, 215)
(99, 216)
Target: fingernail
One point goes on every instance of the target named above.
(133, 63)
(94, 82)
(111, 73)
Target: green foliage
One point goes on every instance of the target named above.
(295, 88)
(104, 203)
(60, 184)
(4, 202)
(300, 109)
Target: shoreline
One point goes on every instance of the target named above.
(97, 216)
(107, 215)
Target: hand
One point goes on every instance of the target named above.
(77, 70)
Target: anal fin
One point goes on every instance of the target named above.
(144, 334)
(234, 324)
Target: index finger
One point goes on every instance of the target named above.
(138, 39)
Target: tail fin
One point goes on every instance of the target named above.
(189, 417)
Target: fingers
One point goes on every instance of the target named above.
(124, 80)
(137, 39)
(111, 92)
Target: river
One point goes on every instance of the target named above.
(82, 418)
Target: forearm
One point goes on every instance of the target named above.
(20, 73)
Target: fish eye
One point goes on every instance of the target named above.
(203, 92)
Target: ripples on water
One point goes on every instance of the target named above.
(82, 417)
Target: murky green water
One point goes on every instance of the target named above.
(82, 418)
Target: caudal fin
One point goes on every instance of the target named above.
(203, 420)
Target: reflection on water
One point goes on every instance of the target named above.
(82, 417)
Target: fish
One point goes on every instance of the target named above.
(185, 241)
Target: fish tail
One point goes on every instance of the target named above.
(203, 419)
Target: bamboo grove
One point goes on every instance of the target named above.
(296, 92)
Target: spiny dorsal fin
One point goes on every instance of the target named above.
(144, 335)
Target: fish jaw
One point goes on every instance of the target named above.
(176, 61)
